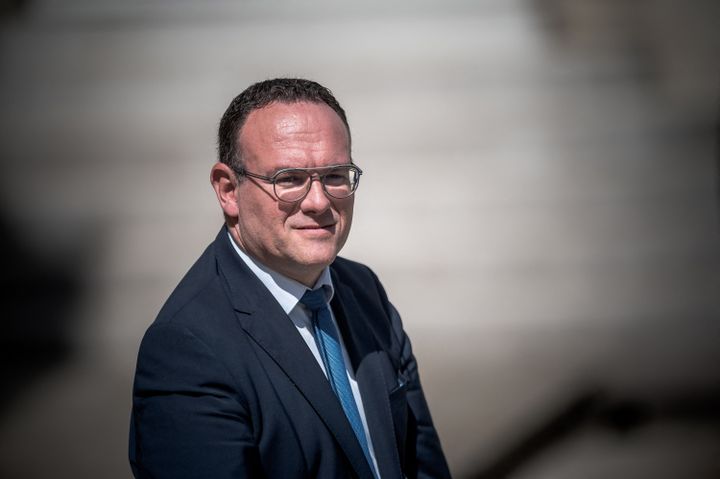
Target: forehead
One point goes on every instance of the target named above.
(294, 126)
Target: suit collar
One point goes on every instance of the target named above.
(286, 291)
(263, 319)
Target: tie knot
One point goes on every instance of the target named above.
(314, 299)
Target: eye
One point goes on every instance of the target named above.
(290, 179)
(337, 178)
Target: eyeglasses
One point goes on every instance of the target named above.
(293, 184)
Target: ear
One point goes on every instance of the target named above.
(224, 183)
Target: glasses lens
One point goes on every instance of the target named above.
(340, 182)
(291, 185)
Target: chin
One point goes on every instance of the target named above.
(318, 258)
(319, 261)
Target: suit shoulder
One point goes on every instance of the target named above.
(361, 279)
(199, 290)
(349, 268)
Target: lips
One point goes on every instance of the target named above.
(315, 227)
(317, 230)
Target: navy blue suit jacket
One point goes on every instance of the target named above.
(225, 387)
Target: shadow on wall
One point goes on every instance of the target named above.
(10, 8)
(717, 156)
(602, 409)
(38, 300)
(597, 408)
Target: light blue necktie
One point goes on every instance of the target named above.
(328, 344)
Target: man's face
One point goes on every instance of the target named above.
(296, 239)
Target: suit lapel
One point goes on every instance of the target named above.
(369, 363)
(264, 320)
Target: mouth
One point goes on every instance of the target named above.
(317, 229)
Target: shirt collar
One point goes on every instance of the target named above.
(286, 291)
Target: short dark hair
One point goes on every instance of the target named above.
(261, 94)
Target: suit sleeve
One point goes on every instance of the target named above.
(187, 421)
(424, 455)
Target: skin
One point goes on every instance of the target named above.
(297, 239)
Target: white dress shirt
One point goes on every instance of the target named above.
(288, 293)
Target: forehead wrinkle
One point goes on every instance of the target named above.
(297, 126)
(305, 136)
(297, 129)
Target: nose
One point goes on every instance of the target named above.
(316, 201)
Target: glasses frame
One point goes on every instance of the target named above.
(320, 177)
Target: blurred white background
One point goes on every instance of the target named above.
(540, 199)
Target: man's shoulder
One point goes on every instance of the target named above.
(349, 269)
(359, 278)
(202, 307)
(199, 286)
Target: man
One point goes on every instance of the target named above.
(273, 358)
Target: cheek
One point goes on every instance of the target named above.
(259, 209)
(268, 222)
(253, 216)
(346, 211)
